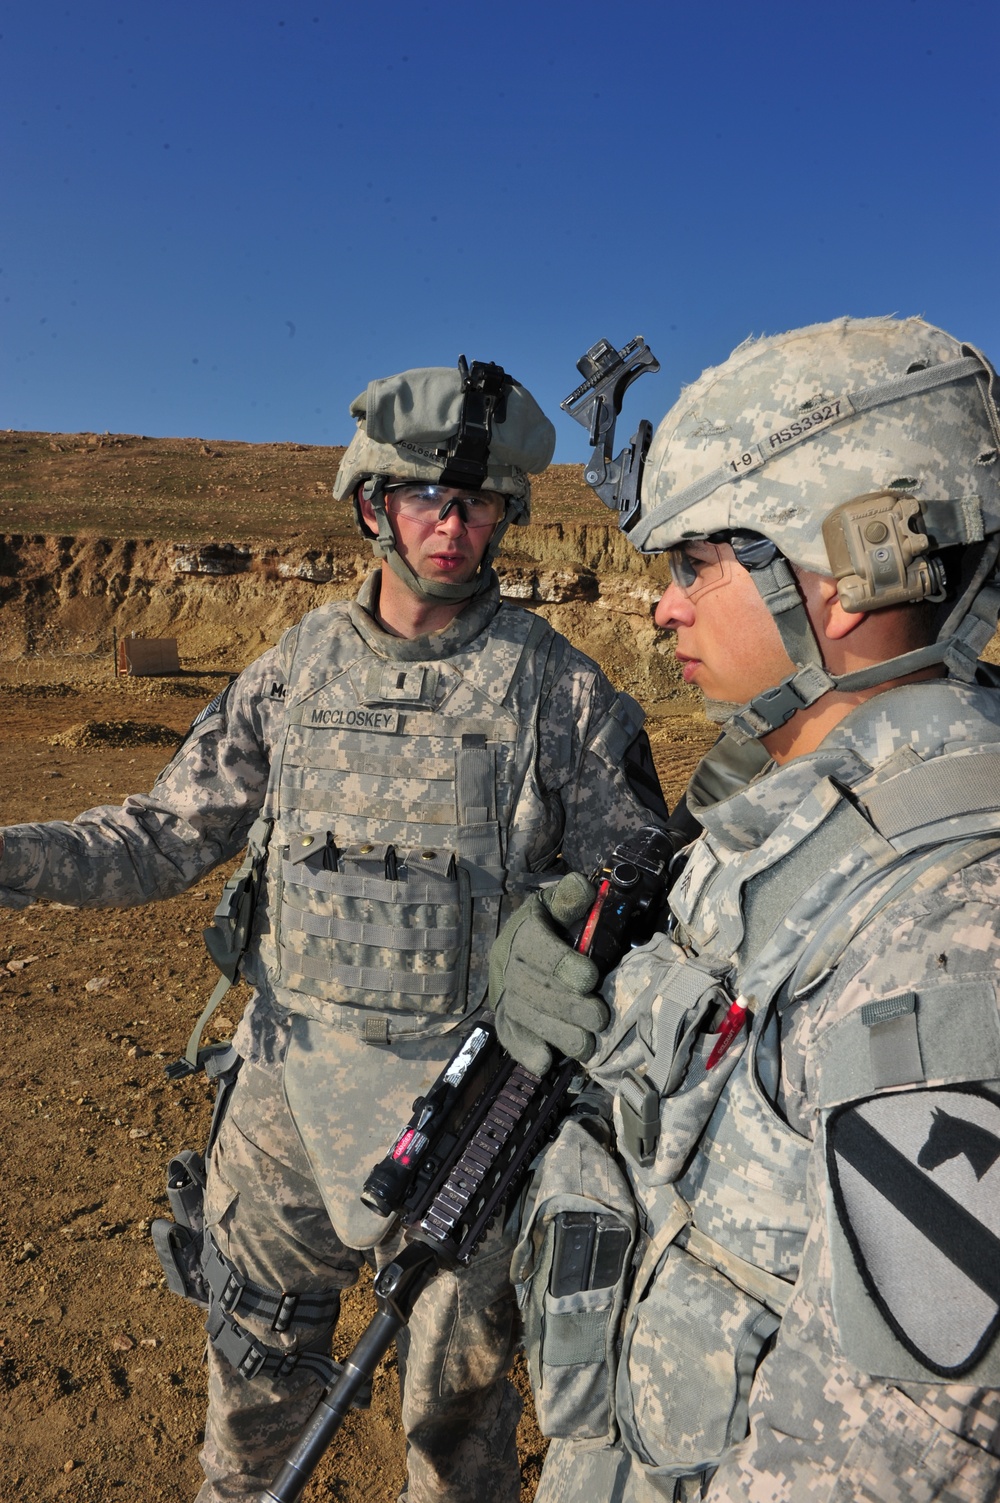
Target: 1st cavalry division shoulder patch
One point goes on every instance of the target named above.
(916, 1185)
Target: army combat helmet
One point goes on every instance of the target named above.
(866, 449)
(473, 427)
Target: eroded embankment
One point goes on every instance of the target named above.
(224, 603)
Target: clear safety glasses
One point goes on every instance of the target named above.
(429, 504)
(700, 565)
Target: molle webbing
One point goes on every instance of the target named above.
(380, 978)
(398, 783)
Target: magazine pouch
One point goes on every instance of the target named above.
(571, 1270)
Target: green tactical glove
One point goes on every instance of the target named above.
(541, 989)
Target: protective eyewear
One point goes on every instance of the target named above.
(702, 565)
(429, 504)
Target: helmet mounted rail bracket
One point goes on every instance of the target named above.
(596, 403)
(484, 399)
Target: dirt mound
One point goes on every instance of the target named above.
(116, 733)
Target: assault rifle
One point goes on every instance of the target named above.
(470, 1142)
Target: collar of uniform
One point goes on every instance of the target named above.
(750, 816)
(925, 719)
(929, 718)
(472, 619)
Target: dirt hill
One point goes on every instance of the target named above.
(222, 545)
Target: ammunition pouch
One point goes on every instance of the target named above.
(571, 1270)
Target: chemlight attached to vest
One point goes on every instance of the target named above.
(732, 1026)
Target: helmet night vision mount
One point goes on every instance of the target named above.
(608, 373)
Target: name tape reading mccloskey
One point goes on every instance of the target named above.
(358, 720)
(821, 416)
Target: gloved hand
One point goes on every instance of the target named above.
(541, 989)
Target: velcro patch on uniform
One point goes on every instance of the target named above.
(214, 707)
(401, 684)
(916, 1187)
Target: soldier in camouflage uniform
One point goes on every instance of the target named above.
(404, 767)
(770, 1270)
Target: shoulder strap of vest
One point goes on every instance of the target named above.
(934, 818)
(919, 805)
(540, 639)
(539, 632)
(915, 874)
(323, 625)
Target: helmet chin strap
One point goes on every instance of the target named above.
(965, 633)
(384, 546)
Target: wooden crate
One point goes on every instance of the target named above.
(144, 657)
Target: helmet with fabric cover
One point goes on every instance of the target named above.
(472, 428)
(861, 449)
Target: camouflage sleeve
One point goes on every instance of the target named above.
(154, 845)
(885, 1375)
(594, 755)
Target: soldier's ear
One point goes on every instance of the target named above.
(840, 623)
(366, 511)
(836, 622)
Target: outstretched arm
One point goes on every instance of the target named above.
(157, 844)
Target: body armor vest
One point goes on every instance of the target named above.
(722, 1184)
(393, 852)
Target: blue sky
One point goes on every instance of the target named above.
(222, 219)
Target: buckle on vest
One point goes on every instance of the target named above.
(639, 1102)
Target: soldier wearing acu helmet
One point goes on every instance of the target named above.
(403, 769)
(769, 1269)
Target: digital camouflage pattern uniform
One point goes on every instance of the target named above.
(787, 1326)
(788, 1287)
(492, 740)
